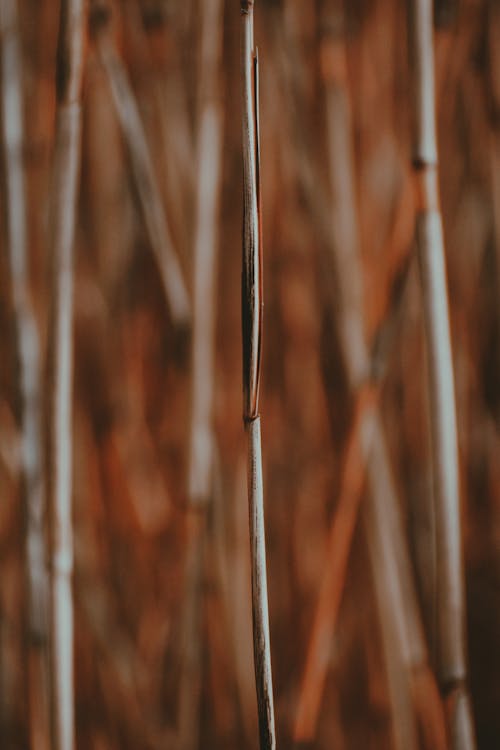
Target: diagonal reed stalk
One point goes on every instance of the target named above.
(142, 165)
(63, 208)
(201, 445)
(29, 377)
(405, 652)
(450, 635)
(252, 334)
(353, 473)
(330, 592)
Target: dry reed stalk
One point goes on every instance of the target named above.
(402, 632)
(252, 333)
(404, 730)
(63, 209)
(29, 377)
(401, 617)
(209, 164)
(343, 524)
(142, 166)
(450, 633)
(330, 592)
(201, 440)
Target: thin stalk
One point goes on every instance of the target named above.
(65, 180)
(251, 331)
(209, 161)
(450, 636)
(201, 439)
(29, 377)
(401, 617)
(330, 593)
(353, 474)
(142, 168)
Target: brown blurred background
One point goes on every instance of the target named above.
(132, 366)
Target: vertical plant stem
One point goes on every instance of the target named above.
(396, 594)
(209, 162)
(251, 331)
(142, 167)
(65, 180)
(260, 614)
(450, 597)
(29, 376)
(201, 447)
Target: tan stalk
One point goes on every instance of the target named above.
(343, 523)
(450, 636)
(142, 166)
(353, 473)
(29, 377)
(397, 601)
(209, 164)
(63, 209)
(332, 582)
(252, 330)
(201, 446)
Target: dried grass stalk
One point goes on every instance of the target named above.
(29, 377)
(201, 445)
(142, 167)
(332, 582)
(209, 163)
(252, 330)
(450, 597)
(65, 180)
(399, 615)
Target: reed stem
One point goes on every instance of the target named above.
(252, 333)
(64, 196)
(201, 438)
(396, 596)
(450, 636)
(150, 198)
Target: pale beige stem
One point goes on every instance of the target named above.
(63, 210)
(260, 614)
(201, 446)
(450, 595)
(398, 609)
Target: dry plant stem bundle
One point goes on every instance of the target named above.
(251, 330)
(450, 634)
(65, 180)
(343, 523)
(397, 602)
(29, 376)
(201, 447)
(142, 167)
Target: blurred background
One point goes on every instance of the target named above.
(163, 656)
